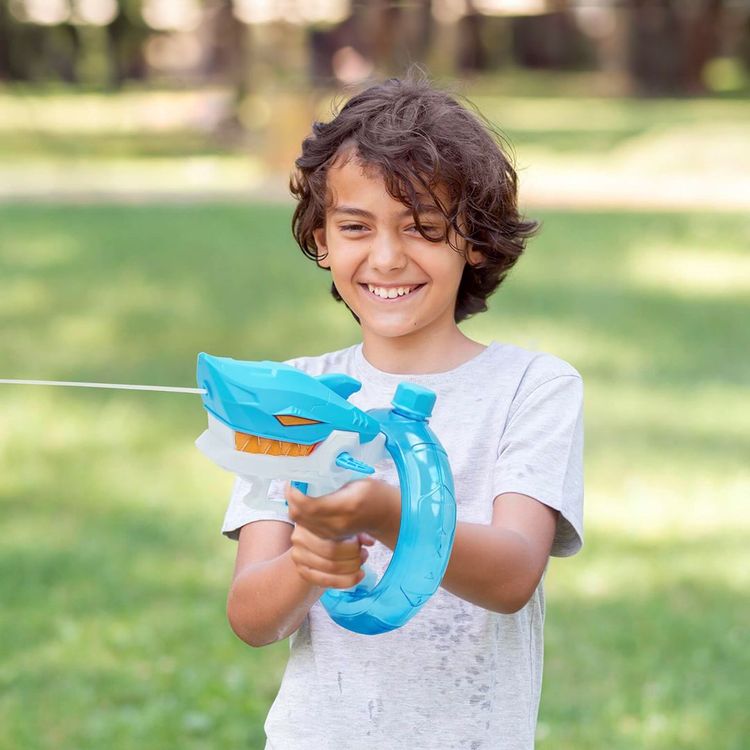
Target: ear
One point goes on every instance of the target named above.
(474, 257)
(319, 235)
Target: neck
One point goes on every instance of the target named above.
(406, 355)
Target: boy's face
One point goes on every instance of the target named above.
(397, 283)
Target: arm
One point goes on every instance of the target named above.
(496, 566)
(499, 566)
(270, 595)
(268, 600)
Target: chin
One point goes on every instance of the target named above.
(394, 331)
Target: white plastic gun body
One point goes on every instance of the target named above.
(318, 470)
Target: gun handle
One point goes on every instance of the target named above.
(368, 583)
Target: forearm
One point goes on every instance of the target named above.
(492, 567)
(268, 601)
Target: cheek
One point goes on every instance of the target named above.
(447, 266)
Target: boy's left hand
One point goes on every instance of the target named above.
(364, 505)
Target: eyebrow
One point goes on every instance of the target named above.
(354, 211)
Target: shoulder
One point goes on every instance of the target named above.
(528, 364)
(530, 370)
(316, 364)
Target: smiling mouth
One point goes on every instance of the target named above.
(392, 293)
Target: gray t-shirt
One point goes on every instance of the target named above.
(456, 675)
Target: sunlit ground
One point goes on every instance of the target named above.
(113, 572)
(571, 151)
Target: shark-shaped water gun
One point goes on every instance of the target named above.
(268, 420)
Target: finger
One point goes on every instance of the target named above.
(324, 549)
(329, 549)
(328, 581)
(302, 556)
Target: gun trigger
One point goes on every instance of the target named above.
(347, 461)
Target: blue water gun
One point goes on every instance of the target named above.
(268, 420)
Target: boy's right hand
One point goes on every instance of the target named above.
(329, 563)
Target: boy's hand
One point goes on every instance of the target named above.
(330, 531)
(364, 505)
(327, 562)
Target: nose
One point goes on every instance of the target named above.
(386, 253)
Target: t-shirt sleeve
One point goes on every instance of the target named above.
(238, 513)
(541, 455)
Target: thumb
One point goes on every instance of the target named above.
(365, 538)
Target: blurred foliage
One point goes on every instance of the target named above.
(670, 47)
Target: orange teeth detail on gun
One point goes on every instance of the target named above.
(254, 444)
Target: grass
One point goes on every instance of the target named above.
(114, 574)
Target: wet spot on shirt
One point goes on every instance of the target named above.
(476, 745)
(340, 688)
(374, 710)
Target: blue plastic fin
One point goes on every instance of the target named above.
(343, 385)
(301, 486)
(347, 461)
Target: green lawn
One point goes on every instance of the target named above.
(113, 574)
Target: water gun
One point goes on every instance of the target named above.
(268, 420)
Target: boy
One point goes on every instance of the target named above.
(411, 206)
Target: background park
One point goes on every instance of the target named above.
(145, 150)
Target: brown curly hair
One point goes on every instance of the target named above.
(420, 138)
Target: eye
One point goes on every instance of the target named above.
(352, 227)
(289, 420)
(430, 232)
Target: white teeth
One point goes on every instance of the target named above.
(391, 293)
